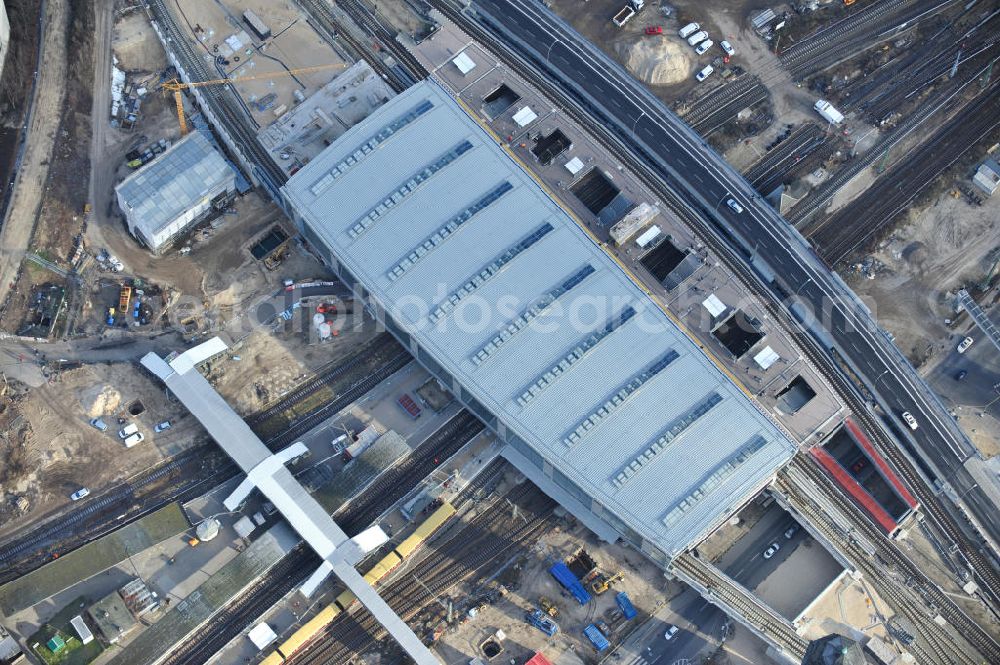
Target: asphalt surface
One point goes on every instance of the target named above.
(699, 623)
(705, 181)
(745, 561)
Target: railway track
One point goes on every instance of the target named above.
(857, 223)
(717, 108)
(384, 343)
(744, 602)
(622, 146)
(844, 39)
(220, 99)
(890, 89)
(350, 395)
(353, 517)
(28, 550)
(880, 92)
(941, 641)
(363, 16)
(437, 448)
(408, 71)
(942, 99)
(255, 601)
(99, 516)
(770, 170)
(466, 550)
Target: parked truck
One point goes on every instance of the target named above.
(623, 17)
(829, 113)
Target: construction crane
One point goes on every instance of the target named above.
(177, 86)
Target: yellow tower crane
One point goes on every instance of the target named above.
(176, 86)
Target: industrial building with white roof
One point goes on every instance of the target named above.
(601, 399)
(186, 184)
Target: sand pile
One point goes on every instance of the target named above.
(100, 400)
(656, 61)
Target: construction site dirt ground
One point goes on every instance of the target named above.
(219, 269)
(850, 605)
(401, 15)
(528, 578)
(271, 365)
(293, 45)
(935, 251)
(63, 452)
(722, 20)
(915, 545)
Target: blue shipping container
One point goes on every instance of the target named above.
(625, 605)
(564, 576)
(596, 637)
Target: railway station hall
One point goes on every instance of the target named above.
(600, 399)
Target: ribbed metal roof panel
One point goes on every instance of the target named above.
(174, 182)
(618, 435)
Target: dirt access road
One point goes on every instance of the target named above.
(45, 115)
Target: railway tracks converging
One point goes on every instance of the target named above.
(484, 543)
(943, 643)
(770, 171)
(353, 517)
(859, 222)
(940, 100)
(876, 22)
(900, 82)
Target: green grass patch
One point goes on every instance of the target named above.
(75, 652)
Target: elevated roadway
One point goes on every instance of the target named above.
(842, 334)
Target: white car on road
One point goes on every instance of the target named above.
(911, 422)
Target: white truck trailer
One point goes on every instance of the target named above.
(826, 109)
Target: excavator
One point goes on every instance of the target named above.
(602, 582)
(176, 86)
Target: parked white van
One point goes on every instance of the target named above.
(688, 30)
(134, 439)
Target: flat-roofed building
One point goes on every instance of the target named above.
(601, 399)
(186, 185)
